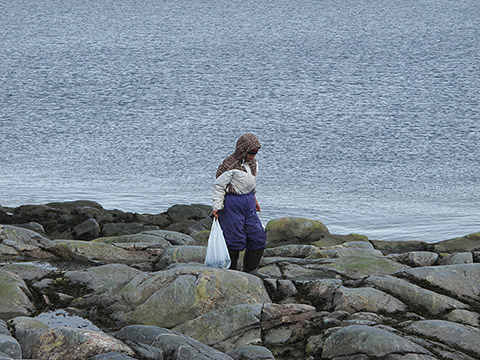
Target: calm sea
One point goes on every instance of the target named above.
(368, 111)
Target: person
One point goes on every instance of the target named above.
(235, 204)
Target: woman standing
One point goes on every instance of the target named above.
(235, 205)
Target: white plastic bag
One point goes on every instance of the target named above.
(217, 252)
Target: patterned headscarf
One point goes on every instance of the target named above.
(245, 143)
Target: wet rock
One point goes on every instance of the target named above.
(366, 299)
(179, 213)
(416, 297)
(111, 356)
(416, 258)
(457, 258)
(399, 247)
(88, 251)
(14, 296)
(104, 277)
(291, 230)
(34, 226)
(320, 292)
(358, 267)
(152, 342)
(297, 251)
(452, 334)
(461, 281)
(370, 341)
(251, 352)
(227, 328)
(89, 229)
(285, 327)
(183, 293)
(465, 243)
(29, 270)
(464, 317)
(117, 229)
(333, 240)
(181, 254)
(68, 343)
(9, 346)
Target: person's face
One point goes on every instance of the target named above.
(249, 157)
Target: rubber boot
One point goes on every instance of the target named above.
(233, 258)
(251, 260)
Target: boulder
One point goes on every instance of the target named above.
(417, 298)
(179, 213)
(23, 237)
(89, 229)
(111, 356)
(87, 251)
(369, 341)
(9, 346)
(297, 251)
(117, 229)
(69, 343)
(183, 293)
(457, 258)
(152, 342)
(251, 352)
(465, 243)
(366, 299)
(458, 336)
(333, 240)
(289, 230)
(358, 267)
(101, 278)
(14, 296)
(464, 317)
(181, 254)
(30, 270)
(460, 281)
(399, 247)
(415, 258)
(227, 328)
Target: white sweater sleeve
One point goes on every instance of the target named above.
(220, 189)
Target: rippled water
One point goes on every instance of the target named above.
(368, 112)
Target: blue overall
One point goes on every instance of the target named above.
(240, 223)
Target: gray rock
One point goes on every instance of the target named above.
(416, 258)
(14, 296)
(371, 341)
(352, 251)
(95, 252)
(24, 236)
(398, 247)
(68, 343)
(117, 229)
(321, 292)
(470, 242)
(30, 270)
(457, 258)
(455, 335)
(291, 230)
(366, 299)
(409, 357)
(179, 213)
(104, 277)
(464, 317)
(228, 328)
(462, 281)
(9, 346)
(251, 352)
(111, 356)
(89, 229)
(32, 225)
(178, 346)
(181, 254)
(298, 251)
(416, 297)
(183, 293)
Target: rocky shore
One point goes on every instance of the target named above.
(78, 281)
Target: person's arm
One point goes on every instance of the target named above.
(219, 191)
(257, 205)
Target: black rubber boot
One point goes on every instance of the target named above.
(251, 260)
(233, 258)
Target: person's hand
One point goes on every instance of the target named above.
(257, 206)
(215, 213)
